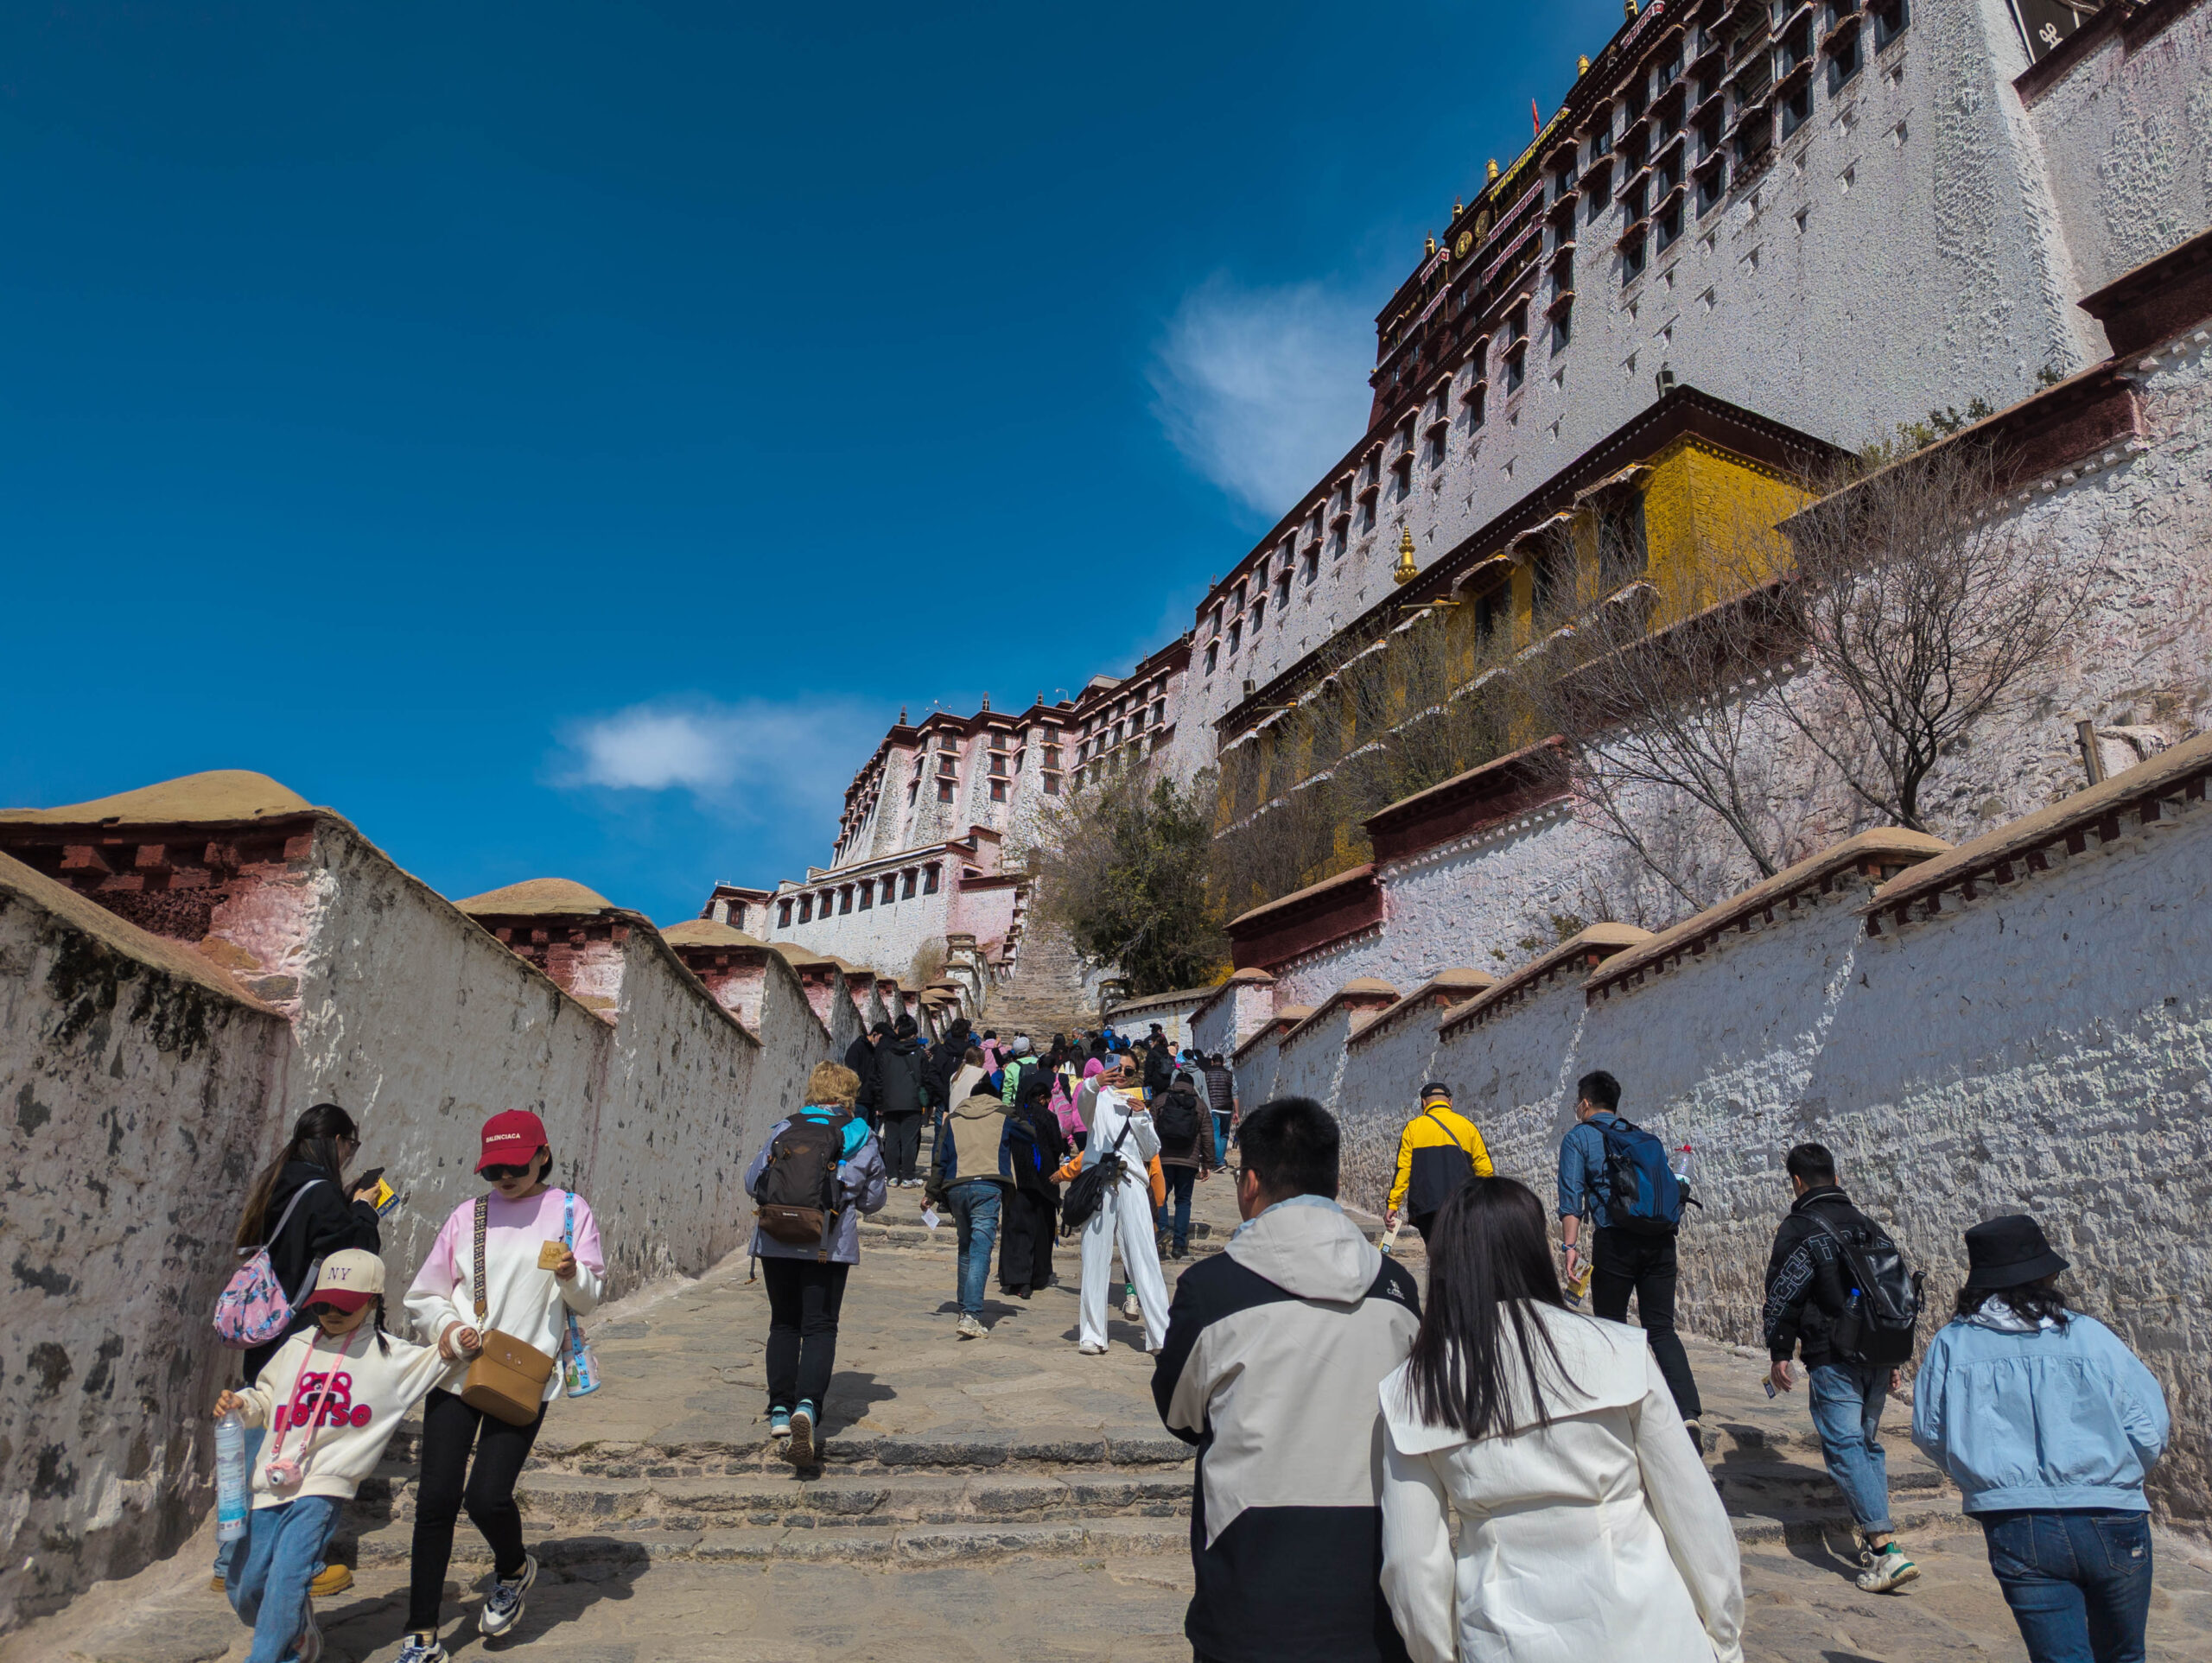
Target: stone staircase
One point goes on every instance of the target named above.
(1045, 994)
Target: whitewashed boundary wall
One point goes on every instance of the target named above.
(2041, 1043)
(285, 961)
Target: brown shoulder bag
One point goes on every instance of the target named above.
(507, 1379)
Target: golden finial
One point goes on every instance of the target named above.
(1628, 10)
(1493, 171)
(1407, 571)
(1582, 65)
(1432, 243)
(1458, 207)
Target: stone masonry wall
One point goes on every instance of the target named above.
(2046, 1048)
(134, 1098)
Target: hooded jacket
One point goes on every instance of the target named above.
(1276, 1349)
(898, 1064)
(863, 1185)
(980, 1121)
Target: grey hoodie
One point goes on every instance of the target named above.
(1275, 1350)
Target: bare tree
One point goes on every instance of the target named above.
(1668, 735)
(1924, 606)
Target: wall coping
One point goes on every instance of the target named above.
(1283, 929)
(1250, 976)
(1498, 790)
(2158, 300)
(697, 934)
(1446, 989)
(1361, 992)
(1879, 855)
(158, 953)
(2155, 793)
(1281, 1022)
(1152, 1002)
(549, 898)
(1586, 950)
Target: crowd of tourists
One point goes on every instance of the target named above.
(1474, 1469)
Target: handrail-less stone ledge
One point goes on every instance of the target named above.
(2151, 794)
(1876, 856)
(1585, 951)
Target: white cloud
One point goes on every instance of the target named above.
(745, 759)
(1262, 388)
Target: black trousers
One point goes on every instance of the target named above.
(1623, 1263)
(451, 1430)
(1026, 1242)
(803, 1299)
(902, 1141)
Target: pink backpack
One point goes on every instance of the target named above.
(1071, 1127)
(254, 1309)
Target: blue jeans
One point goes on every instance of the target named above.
(974, 1203)
(283, 1549)
(2078, 1581)
(1221, 1137)
(225, 1552)
(1181, 1182)
(1847, 1401)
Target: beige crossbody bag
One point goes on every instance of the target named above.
(508, 1379)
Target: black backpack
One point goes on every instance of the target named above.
(1882, 1311)
(1175, 1116)
(1088, 1190)
(798, 1191)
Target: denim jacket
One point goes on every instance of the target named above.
(2038, 1418)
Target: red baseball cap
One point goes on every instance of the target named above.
(511, 1138)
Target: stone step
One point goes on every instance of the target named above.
(883, 1545)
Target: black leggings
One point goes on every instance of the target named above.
(803, 1299)
(901, 1138)
(450, 1430)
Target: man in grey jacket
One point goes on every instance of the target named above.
(1275, 1352)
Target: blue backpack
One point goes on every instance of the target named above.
(1644, 1197)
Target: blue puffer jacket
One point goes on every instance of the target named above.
(2038, 1417)
(862, 1187)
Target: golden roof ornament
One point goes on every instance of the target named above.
(1582, 65)
(1432, 243)
(1628, 10)
(1458, 207)
(1493, 163)
(1407, 571)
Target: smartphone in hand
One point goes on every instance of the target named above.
(1769, 1387)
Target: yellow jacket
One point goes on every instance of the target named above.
(1436, 1128)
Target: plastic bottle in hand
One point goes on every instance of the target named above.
(233, 1495)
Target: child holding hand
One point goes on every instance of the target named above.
(332, 1397)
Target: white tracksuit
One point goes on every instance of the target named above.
(1126, 1213)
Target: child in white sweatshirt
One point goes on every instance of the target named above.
(332, 1396)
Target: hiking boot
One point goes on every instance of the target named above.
(969, 1329)
(216, 1584)
(800, 1452)
(503, 1608)
(331, 1579)
(421, 1648)
(1887, 1569)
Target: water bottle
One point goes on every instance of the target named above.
(233, 1493)
(1681, 1163)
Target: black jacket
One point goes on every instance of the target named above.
(860, 1056)
(324, 1222)
(1807, 1281)
(898, 1064)
(1159, 1068)
(1221, 1088)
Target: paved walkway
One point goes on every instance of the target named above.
(995, 1498)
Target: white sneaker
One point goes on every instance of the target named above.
(1089, 1349)
(969, 1329)
(1132, 1309)
(503, 1607)
(1890, 1569)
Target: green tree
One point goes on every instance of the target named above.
(1123, 869)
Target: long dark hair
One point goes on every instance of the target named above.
(1489, 1261)
(2032, 1301)
(315, 1138)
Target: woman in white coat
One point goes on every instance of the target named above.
(1589, 1530)
(1120, 1125)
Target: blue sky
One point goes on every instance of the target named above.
(561, 437)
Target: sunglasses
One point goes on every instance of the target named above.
(500, 1174)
